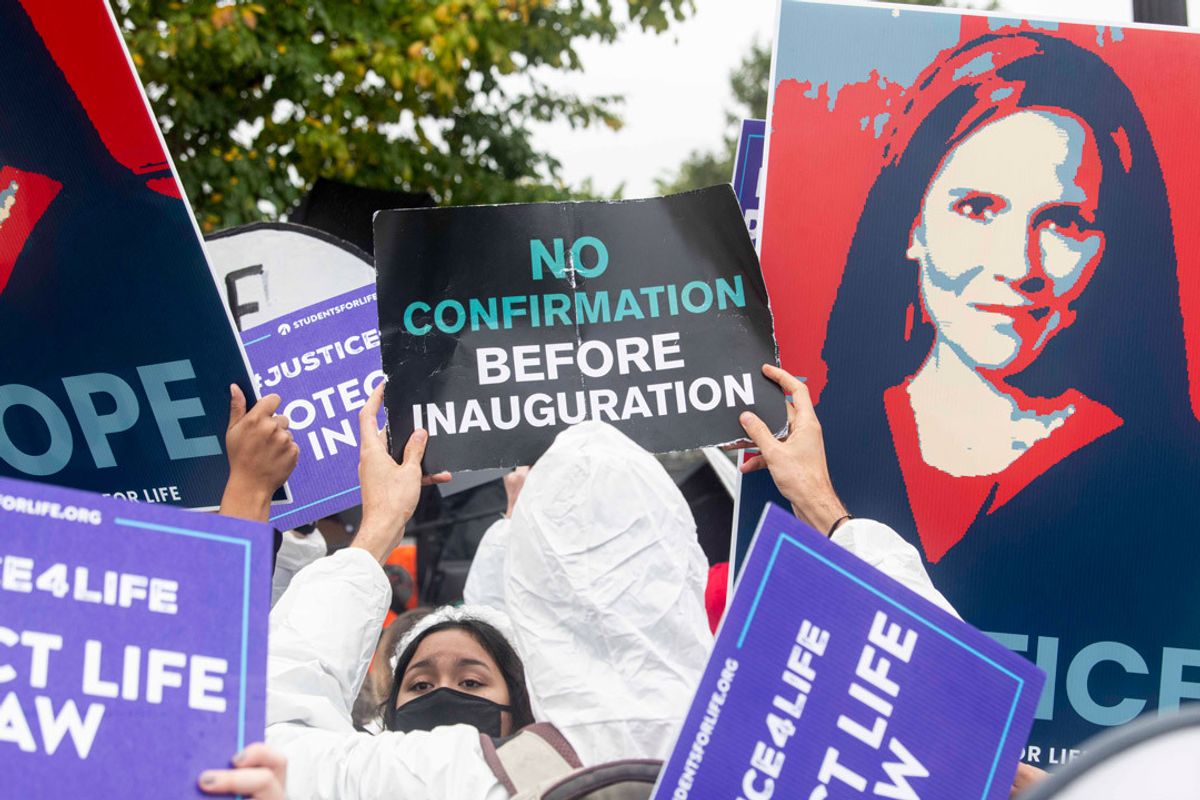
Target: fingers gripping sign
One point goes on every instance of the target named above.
(390, 491)
(262, 454)
(260, 774)
(796, 462)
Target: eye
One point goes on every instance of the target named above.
(1067, 221)
(471, 683)
(980, 206)
(420, 686)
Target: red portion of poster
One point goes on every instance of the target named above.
(106, 87)
(825, 214)
(24, 197)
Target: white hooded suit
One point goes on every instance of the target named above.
(604, 584)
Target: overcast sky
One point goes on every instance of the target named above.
(676, 87)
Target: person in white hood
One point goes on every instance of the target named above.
(604, 583)
(485, 579)
(604, 587)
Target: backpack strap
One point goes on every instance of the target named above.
(627, 779)
(532, 756)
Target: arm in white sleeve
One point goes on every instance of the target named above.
(884, 549)
(323, 633)
(485, 579)
(295, 553)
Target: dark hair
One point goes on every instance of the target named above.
(1112, 353)
(506, 658)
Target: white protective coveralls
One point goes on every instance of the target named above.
(324, 631)
(485, 579)
(605, 589)
(296, 551)
(605, 584)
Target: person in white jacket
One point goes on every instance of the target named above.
(485, 579)
(605, 592)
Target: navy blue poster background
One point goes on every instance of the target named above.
(116, 352)
(1049, 482)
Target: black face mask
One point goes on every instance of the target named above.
(446, 706)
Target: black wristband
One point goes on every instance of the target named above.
(837, 524)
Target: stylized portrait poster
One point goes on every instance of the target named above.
(116, 354)
(980, 240)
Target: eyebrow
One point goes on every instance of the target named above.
(426, 663)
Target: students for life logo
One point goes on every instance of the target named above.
(284, 328)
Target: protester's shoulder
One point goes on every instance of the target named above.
(447, 761)
(867, 536)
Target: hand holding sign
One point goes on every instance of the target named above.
(797, 463)
(831, 679)
(260, 774)
(390, 491)
(261, 456)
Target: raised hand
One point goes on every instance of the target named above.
(390, 491)
(262, 454)
(514, 482)
(797, 462)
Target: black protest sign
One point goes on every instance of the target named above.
(503, 325)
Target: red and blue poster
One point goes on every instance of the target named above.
(116, 354)
(980, 240)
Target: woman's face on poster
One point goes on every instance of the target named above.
(1006, 238)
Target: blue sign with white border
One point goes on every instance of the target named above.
(133, 642)
(323, 361)
(830, 679)
(747, 169)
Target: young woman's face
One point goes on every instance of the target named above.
(454, 659)
(1006, 239)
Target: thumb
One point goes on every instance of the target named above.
(757, 430)
(369, 435)
(414, 451)
(237, 405)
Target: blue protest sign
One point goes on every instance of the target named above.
(132, 643)
(828, 677)
(747, 171)
(117, 352)
(323, 361)
(747, 167)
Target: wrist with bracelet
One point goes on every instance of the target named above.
(838, 523)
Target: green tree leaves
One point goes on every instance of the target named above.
(258, 99)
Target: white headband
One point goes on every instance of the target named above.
(497, 619)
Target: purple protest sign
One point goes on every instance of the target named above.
(323, 361)
(828, 678)
(134, 642)
(747, 167)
